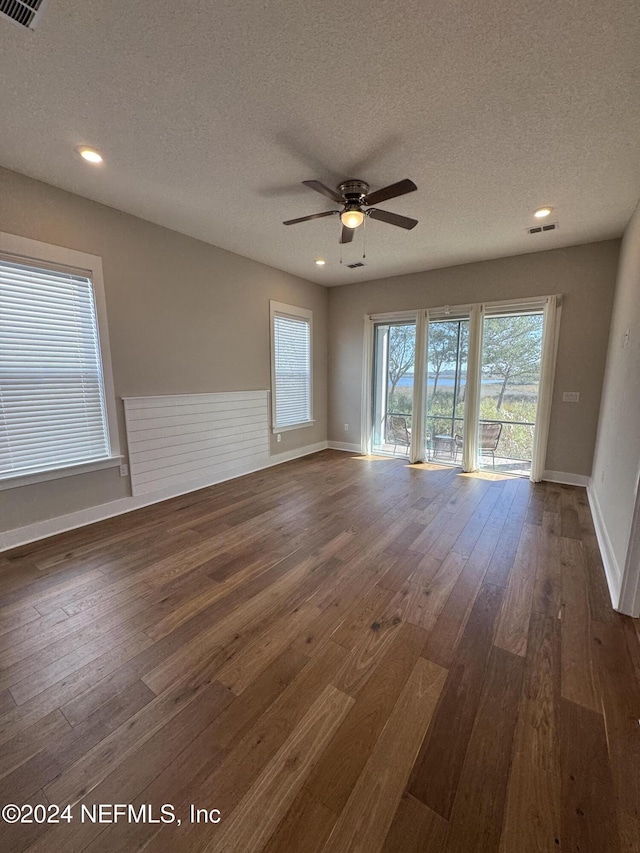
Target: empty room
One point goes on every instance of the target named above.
(319, 427)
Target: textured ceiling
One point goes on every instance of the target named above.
(209, 114)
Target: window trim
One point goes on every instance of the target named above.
(281, 309)
(34, 251)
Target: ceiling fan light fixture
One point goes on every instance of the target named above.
(352, 218)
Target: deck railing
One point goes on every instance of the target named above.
(516, 438)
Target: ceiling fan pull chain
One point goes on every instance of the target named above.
(364, 238)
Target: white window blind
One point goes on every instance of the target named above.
(52, 402)
(292, 369)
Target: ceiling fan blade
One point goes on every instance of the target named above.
(323, 190)
(392, 191)
(347, 234)
(313, 216)
(392, 218)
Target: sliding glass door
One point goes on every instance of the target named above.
(446, 386)
(511, 369)
(469, 386)
(394, 354)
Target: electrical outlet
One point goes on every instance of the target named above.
(278, 437)
(124, 470)
(346, 427)
(571, 397)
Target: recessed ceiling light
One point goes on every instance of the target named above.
(541, 212)
(90, 155)
(320, 262)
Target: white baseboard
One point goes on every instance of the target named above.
(611, 568)
(344, 445)
(566, 479)
(71, 521)
(288, 455)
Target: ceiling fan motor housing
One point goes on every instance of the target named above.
(354, 193)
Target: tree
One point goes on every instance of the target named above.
(402, 353)
(443, 340)
(511, 350)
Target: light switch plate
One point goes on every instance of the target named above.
(570, 396)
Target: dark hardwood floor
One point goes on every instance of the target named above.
(339, 654)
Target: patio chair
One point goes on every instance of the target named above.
(489, 437)
(398, 433)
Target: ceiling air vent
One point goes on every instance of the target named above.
(22, 12)
(538, 229)
(356, 265)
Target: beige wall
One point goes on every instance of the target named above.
(585, 275)
(616, 469)
(184, 316)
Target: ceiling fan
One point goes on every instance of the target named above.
(357, 201)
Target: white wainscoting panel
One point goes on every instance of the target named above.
(176, 439)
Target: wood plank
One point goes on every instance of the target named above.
(403, 541)
(629, 833)
(337, 771)
(430, 597)
(599, 597)
(7, 702)
(578, 672)
(261, 810)
(449, 626)
(348, 592)
(588, 807)
(415, 829)
(621, 707)
(367, 816)
(513, 625)
(63, 691)
(367, 612)
(365, 655)
(438, 767)
(245, 622)
(29, 742)
(66, 665)
(255, 657)
(570, 520)
(246, 759)
(50, 762)
(504, 556)
(532, 814)
(19, 836)
(134, 774)
(476, 819)
(98, 762)
(400, 572)
(537, 734)
(306, 826)
(547, 591)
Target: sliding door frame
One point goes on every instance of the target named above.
(550, 306)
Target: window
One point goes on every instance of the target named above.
(54, 411)
(291, 336)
